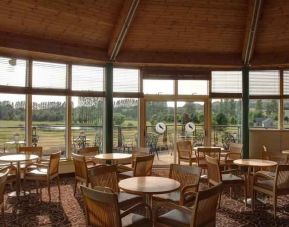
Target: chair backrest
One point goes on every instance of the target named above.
(282, 179)
(137, 152)
(143, 165)
(54, 164)
(233, 155)
(236, 147)
(89, 151)
(214, 174)
(185, 174)
(273, 156)
(206, 203)
(31, 150)
(3, 178)
(101, 207)
(214, 152)
(104, 176)
(80, 167)
(184, 149)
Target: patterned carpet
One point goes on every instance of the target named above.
(30, 211)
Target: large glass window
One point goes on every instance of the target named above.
(227, 82)
(125, 80)
(48, 120)
(12, 72)
(158, 87)
(192, 87)
(263, 113)
(12, 121)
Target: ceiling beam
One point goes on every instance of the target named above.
(172, 59)
(121, 28)
(44, 46)
(254, 12)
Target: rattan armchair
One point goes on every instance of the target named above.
(203, 213)
(142, 167)
(89, 153)
(185, 152)
(102, 209)
(106, 176)
(202, 152)
(227, 177)
(31, 150)
(81, 169)
(272, 185)
(189, 177)
(12, 174)
(44, 172)
(3, 179)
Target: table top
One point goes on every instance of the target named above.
(16, 142)
(254, 162)
(285, 152)
(195, 148)
(149, 185)
(113, 156)
(18, 157)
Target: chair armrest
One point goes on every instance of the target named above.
(175, 206)
(135, 207)
(10, 167)
(233, 171)
(38, 165)
(190, 186)
(90, 162)
(263, 175)
(184, 192)
(123, 168)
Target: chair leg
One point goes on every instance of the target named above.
(274, 205)
(3, 215)
(254, 194)
(220, 198)
(245, 194)
(58, 185)
(48, 187)
(75, 186)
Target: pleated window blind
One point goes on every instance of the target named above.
(286, 82)
(125, 80)
(227, 82)
(12, 72)
(265, 82)
(158, 87)
(192, 87)
(87, 78)
(48, 75)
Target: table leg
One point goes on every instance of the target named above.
(18, 179)
(149, 201)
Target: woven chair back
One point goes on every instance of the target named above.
(184, 149)
(282, 179)
(89, 151)
(80, 166)
(54, 164)
(206, 203)
(104, 176)
(213, 152)
(3, 178)
(101, 207)
(143, 165)
(236, 147)
(31, 150)
(214, 174)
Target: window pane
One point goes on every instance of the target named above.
(12, 121)
(12, 72)
(125, 123)
(264, 82)
(48, 117)
(158, 87)
(263, 113)
(226, 121)
(227, 82)
(286, 82)
(87, 78)
(192, 87)
(48, 75)
(87, 122)
(125, 80)
(286, 114)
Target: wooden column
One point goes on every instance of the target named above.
(108, 125)
(28, 115)
(245, 109)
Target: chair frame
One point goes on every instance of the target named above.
(181, 145)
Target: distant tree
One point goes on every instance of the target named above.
(118, 119)
(221, 119)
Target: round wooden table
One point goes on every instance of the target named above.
(18, 158)
(148, 186)
(113, 157)
(195, 148)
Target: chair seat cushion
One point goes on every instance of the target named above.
(127, 199)
(37, 172)
(231, 178)
(175, 218)
(268, 173)
(135, 220)
(172, 196)
(267, 184)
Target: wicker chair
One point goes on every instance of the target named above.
(3, 179)
(102, 209)
(44, 172)
(189, 177)
(185, 152)
(81, 169)
(202, 152)
(203, 213)
(89, 153)
(31, 150)
(106, 176)
(272, 185)
(215, 176)
(142, 167)
(12, 174)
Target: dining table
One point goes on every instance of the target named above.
(18, 158)
(113, 158)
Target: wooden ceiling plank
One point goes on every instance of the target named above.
(122, 26)
(255, 8)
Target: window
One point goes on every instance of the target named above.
(227, 82)
(158, 87)
(125, 80)
(286, 82)
(12, 72)
(193, 87)
(87, 78)
(266, 82)
(48, 75)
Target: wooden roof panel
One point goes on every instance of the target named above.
(76, 22)
(188, 26)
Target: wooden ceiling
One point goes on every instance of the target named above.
(185, 33)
